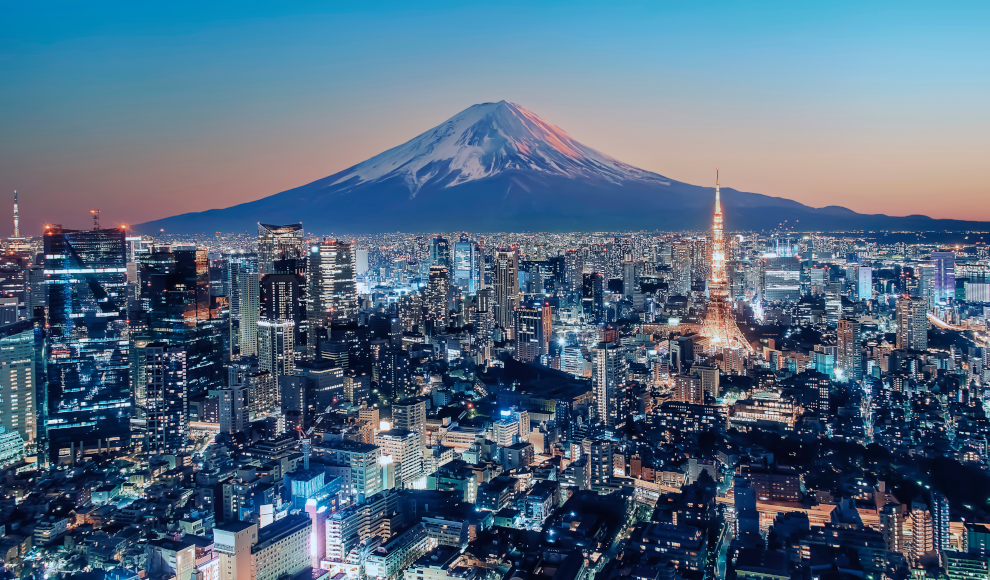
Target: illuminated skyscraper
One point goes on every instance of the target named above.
(720, 323)
(233, 264)
(630, 277)
(467, 266)
(546, 322)
(850, 363)
(573, 269)
(781, 279)
(945, 276)
(609, 379)
(21, 382)
(864, 288)
(529, 327)
(505, 279)
(281, 298)
(483, 322)
(167, 399)
(681, 257)
(338, 282)
(249, 306)
(912, 323)
(593, 298)
(440, 254)
(276, 347)
(277, 243)
(89, 398)
(438, 299)
(926, 283)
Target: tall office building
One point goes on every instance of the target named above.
(850, 357)
(405, 449)
(467, 266)
(483, 322)
(505, 279)
(410, 414)
(22, 381)
(440, 254)
(249, 309)
(926, 283)
(593, 298)
(700, 260)
(393, 373)
(281, 296)
(573, 270)
(438, 300)
(278, 243)
(89, 398)
(630, 277)
(233, 263)
(183, 313)
(35, 292)
(781, 279)
(546, 327)
(600, 454)
(609, 380)
(167, 397)
(681, 258)
(529, 328)
(234, 408)
(864, 288)
(945, 276)
(361, 261)
(912, 323)
(316, 317)
(337, 283)
(281, 299)
(276, 347)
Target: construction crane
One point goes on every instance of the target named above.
(319, 419)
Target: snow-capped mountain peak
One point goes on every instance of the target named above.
(485, 140)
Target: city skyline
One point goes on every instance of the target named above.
(503, 291)
(157, 113)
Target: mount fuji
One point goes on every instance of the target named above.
(500, 167)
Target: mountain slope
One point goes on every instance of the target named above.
(499, 167)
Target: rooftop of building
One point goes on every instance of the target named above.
(395, 434)
(439, 557)
(280, 529)
(235, 527)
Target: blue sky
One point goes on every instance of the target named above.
(147, 111)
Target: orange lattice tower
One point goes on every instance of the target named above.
(720, 323)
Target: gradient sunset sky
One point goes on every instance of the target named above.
(148, 111)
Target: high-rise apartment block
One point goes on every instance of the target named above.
(912, 323)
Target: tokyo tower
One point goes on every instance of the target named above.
(720, 323)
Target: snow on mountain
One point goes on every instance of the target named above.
(487, 139)
(498, 167)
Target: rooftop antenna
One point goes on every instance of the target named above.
(17, 226)
(96, 218)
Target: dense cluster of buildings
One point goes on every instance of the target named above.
(536, 406)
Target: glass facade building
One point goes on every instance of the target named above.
(89, 396)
